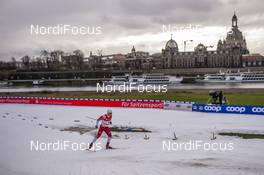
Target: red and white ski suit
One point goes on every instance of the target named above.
(104, 127)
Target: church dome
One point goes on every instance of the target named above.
(171, 44)
(200, 48)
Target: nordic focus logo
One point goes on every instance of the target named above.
(130, 87)
(65, 29)
(62, 145)
(196, 145)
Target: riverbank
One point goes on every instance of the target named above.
(234, 96)
(83, 74)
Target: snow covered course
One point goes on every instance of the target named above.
(21, 124)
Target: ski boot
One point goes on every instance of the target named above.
(108, 146)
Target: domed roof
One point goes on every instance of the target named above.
(171, 44)
(200, 47)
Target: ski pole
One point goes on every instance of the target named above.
(90, 118)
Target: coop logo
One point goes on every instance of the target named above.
(235, 109)
(258, 109)
(213, 108)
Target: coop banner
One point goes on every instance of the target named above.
(257, 110)
(84, 102)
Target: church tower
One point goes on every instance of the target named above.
(235, 38)
(234, 20)
(234, 45)
(133, 52)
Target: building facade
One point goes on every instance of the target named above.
(252, 60)
(228, 53)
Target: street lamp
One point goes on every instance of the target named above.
(185, 42)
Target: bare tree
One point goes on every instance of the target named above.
(46, 56)
(55, 57)
(26, 61)
(79, 59)
(40, 63)
(13, 62)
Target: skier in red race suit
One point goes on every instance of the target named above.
(104, 127)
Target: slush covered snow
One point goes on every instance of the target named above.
(21, 124)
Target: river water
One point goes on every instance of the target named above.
(194, 86)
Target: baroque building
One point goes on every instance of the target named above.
(228, 53)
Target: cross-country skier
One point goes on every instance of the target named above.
(104, 127)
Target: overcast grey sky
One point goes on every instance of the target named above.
(125, 23)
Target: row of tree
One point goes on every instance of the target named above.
(48, 61)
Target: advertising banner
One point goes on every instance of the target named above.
(84, 102)
(178, 106)
(257, 110)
